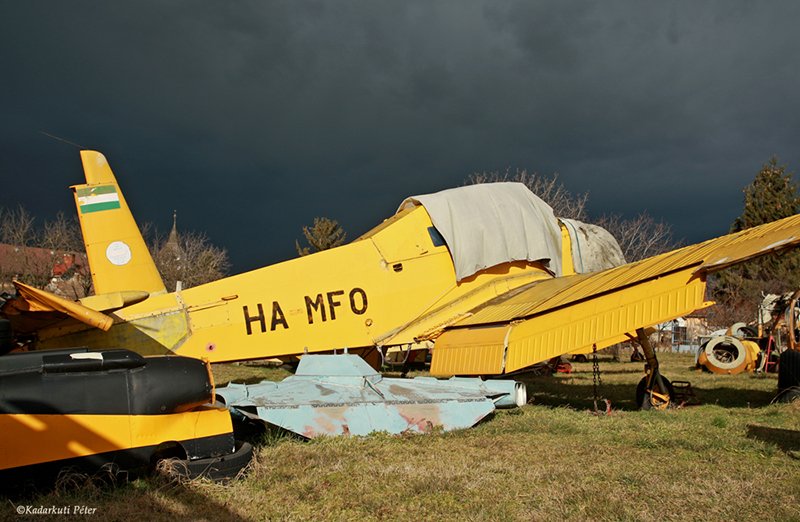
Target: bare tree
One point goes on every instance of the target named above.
(31, 255)
(565, 204)
(62, 234)
(640, 237)
(192, 260)
(17, 227)
(32, 265)
(325, 233)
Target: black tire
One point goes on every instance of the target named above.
(222, 468)
(788, 370)
(748, 331)
(6, 336)
(219, 469)
(579, 358)
(641, 388)
(788, 395)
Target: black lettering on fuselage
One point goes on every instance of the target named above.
(325, 307)
(277, 317)
(318, 306)
(358, 310)
(249, 319)
(333, 304)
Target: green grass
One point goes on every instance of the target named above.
(551, 460)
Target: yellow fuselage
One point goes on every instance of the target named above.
(393, 286)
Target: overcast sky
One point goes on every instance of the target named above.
(251, 118)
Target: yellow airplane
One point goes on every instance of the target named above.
(486, 273)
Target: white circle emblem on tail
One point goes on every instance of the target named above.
(118, 253)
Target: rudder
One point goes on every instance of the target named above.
(118, 256)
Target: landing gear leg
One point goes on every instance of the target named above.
(653, 391)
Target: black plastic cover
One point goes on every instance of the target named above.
(122, 383)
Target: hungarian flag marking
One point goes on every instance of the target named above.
(95, 199)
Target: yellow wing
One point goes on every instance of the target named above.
(556, 316)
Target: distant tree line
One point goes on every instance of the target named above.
(31, 252)
(639, 237)
(190, 257)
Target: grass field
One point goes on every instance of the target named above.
(732, 458)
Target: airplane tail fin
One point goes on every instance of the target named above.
(118, 256)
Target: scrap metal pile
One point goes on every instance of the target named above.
(755, 347)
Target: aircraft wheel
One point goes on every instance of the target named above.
(658, 401)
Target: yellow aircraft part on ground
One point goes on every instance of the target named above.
(80, 434)
(557, 316)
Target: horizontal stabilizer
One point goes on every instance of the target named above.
(114, 300)
(35, 300)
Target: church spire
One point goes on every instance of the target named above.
(172, 240)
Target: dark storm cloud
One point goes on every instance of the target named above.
(251, 118)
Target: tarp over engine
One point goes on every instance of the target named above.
(488, 224)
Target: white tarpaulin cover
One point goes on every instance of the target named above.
(492, 223)
(593, 247)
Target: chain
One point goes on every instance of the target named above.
(596, 380)
(597, 383)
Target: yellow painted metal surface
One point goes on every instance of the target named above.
(602, 319)
(468, 294)
(567, 262)
(117, 254)
(573, 313)
(470, 351)
(551, 294)
(113, 301)
(41, 301)
(55, 437)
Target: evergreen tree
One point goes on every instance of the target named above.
(772, 195)
(325, 233)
